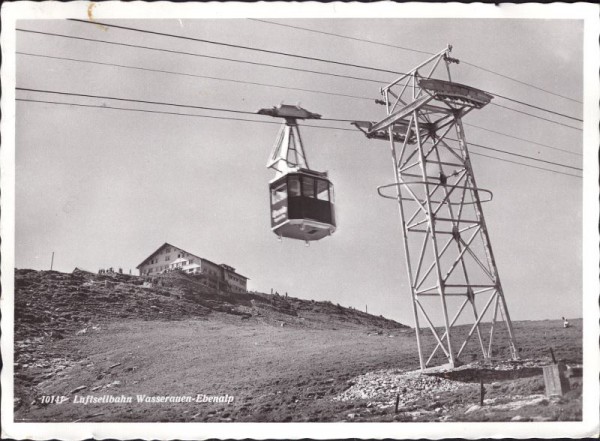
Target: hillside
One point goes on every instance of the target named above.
(84, 335)
(74, 301)
(50, 306)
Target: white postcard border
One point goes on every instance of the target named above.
(105, 10)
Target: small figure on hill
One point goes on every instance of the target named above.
(565, 323)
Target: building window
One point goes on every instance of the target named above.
(167, 258)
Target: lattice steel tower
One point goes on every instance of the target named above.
(449, 257)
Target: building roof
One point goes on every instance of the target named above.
(179, 248)
(152, 254)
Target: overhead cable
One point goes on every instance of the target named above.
(275, 86)
(84, 95)
(276, 66)
(519, 155)
(125, 66)
(526, 165)
(522, 139)
(238, 46)
(536, 116)
(241, 112)
(420, 52)
(195, 54)
(163, 112)
(522, 82)
(251, 48)
(364, 40)
(260, 122)
(537, 107)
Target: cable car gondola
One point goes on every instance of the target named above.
(302, 203)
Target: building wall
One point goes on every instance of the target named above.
(237, 282)
(215, 276)
(211, 269)
(187, 265)
(161, 260)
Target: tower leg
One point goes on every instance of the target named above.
(406, 249)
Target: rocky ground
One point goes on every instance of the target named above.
(52, 304)
(283, 359)
(512, 391)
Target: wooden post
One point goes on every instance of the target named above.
(52, 261)
(397, 402)
(554, 377)
(481, 391)
(555, 380)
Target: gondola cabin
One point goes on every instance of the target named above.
(302, 205)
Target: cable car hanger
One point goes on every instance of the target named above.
(302, 204)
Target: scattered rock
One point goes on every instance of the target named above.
(473, 408)
(77, 389)
(382, 387)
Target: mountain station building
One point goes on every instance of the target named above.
(170, 258)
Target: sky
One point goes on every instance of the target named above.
(104, 188)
